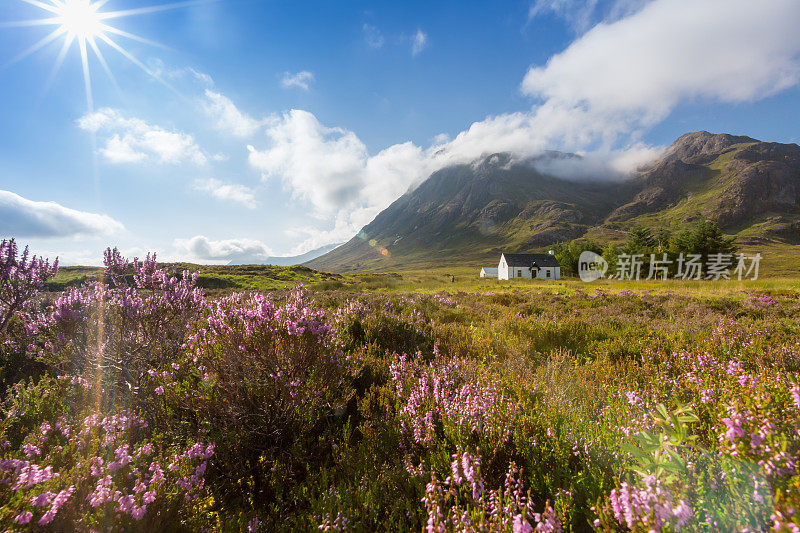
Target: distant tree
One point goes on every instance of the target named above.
(704, 239)
(663, 237)
(569, 253)
(640, 241)
(610, 253)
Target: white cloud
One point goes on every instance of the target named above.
(418, 42)
(227, 191)
(373, 36)
(441, 138)
(322, 165)
(300, 80)
(227, 117)
(578, 13)
(611, 85)
(159, 69)
(623, 77)
(20, 217)
(201, 76)
(231, 250)
(330, 168)
(131, 140)
(312, 238)
(118, 150)
(583, 14)
(613, 165)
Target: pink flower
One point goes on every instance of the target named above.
(734, 428)
(521, 525)
(43, 499)
(159, 390)
(23, 518)
(47, 518)
(31, 450)
(139, 512)
(795, 391)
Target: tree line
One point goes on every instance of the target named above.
(704, 239)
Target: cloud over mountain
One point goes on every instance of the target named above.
(624, 76)
(596, 98)
(331, 168)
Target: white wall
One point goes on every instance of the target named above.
(554, 273)
(502, 269)
(506, 272)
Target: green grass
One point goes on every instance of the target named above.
(467, 280)
(216, 277)
(780, 270)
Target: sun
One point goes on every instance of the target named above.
(85, 23)
(80, 18)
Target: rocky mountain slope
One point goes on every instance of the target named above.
(471, 212)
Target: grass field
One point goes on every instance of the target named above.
(402, 401)
(780, 269)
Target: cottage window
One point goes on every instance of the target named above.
(548, 273)
(519, 273)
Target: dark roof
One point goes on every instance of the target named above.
(526, 260)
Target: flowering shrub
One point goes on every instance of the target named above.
(460, 503)
(21, 278)
(449, 398)
(113, 334)
(649, 507)
(87, 470)
(260, 378)
(748, 407)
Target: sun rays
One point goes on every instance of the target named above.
(83, 22)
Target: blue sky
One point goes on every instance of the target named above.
(263, 127)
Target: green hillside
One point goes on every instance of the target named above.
(468, 214)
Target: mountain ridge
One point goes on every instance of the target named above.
(470, 212)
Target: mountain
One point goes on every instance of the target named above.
(286, 260)
(750, 188)
(470, 212)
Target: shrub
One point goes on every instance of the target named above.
(262, 380)
(21, 279)
(113, 334)
(82, 469)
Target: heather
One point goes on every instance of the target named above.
(138, 401)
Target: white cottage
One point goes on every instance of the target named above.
(489, 272)
(528, 266)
